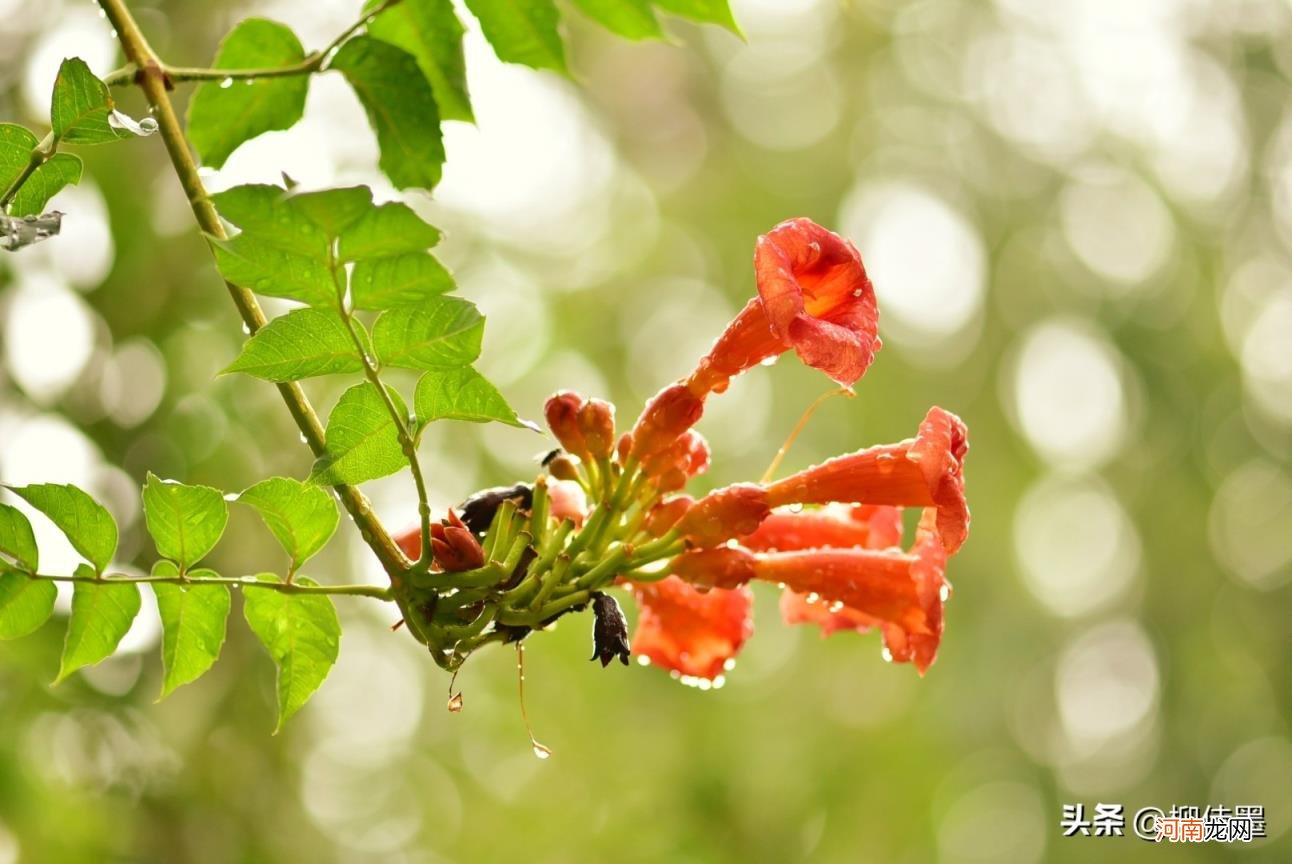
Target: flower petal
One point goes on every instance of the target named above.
(690, 632)
(818, 298)
(927, 470)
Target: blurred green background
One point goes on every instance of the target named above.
(1077, 214)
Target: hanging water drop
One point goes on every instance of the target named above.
(455, 703)
(541, 752)
(226, 83)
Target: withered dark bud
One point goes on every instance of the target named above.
(477, 511)
(609, 631)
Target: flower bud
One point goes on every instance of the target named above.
(597, 424)
(670, 413)
(562, 415)
(724, 514)
(666, 514)
(563, 467)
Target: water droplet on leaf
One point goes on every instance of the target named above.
(226, 83)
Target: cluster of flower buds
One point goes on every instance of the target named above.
(613, 511)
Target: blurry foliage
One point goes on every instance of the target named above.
(1062, 135)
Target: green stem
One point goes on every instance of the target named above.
(248, 582)
(316, 62)
(406, 442)
(153, 82)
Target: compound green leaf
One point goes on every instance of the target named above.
(257, 263)
(704, 11)
(82, 110)
(302, 635)
(522, 31)
(302, 517)
(385, 230)
(16, 144)
(442, 331)
(461, 394)
(222, 115)
(401, 109)
(17, 540)
(632, 19)
(58, 172)
(25, 603)
(101, 614)
(431, 32)
(194, 620)
(362, 441)
(185, 521)
(301, 344)
(401, 280)
(88, 526)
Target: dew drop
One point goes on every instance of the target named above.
(541, 751)
(796, 508)
(813, 597)
(857, 292)
(226, 83)
(944, 593)
(886, 654)
(455, 703)
(304, 440)
(246, 329)
(769, 361)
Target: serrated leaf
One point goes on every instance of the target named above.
(302, 635)
(301, 344)
(17, 540)
(56, 173)
(302, 517)
(461, 394)
(362, 441)
(82, 110)
(431, 32)
(221, 117)
(303, 223)
(194, 620)
(259, 265)
(401, 280)
(442, 332)
(263, 211)
(385, 230)
(101, 614)
(401, 109)
(522, 31)
(185, 521)
(632, 19)
(88, 526)
(704, 11)
(25, 603)
(16, 144)
(332, 210)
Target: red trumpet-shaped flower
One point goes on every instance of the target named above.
(813, 296)
(866, 526)
(689, 632)
(927, 470)
(844, 588)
